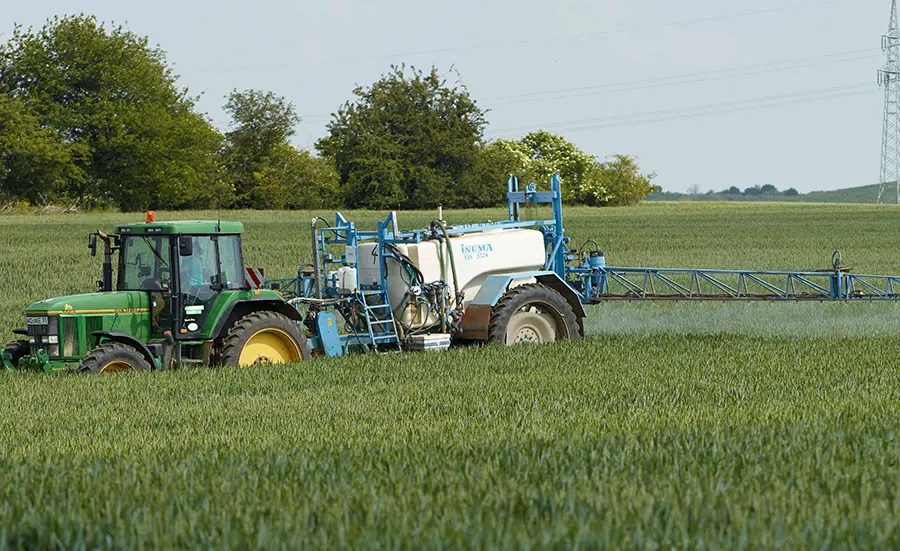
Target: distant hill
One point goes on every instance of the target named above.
(861, 194)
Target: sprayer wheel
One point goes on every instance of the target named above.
(532, 313)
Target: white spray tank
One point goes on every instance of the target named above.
(477, 255)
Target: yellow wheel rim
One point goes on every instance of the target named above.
(270, 346)
(117, 367)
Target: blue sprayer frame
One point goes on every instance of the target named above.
(575, 273)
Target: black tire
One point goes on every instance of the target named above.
(114, 357)
(16, 350)
(541, 303)
(258, 323)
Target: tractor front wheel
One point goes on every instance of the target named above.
(532, 314)
(114, 357)
(16, 350)
(264, 337)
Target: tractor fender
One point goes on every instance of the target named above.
(477, 316)
(130, 340)
(240, 308)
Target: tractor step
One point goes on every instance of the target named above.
(197, 347)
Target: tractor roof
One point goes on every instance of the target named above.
(192, 227)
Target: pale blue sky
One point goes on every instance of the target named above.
(816, 61)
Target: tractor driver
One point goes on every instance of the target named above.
(199, 272)
(191, 269)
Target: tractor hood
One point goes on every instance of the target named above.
(119, 302)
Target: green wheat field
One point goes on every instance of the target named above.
(672, 425)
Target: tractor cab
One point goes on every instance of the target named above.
(184, 266)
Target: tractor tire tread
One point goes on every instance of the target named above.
(233, 343)
(513, 299)
(94, 361)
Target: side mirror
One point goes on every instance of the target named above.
(92, 244)
(185, 246)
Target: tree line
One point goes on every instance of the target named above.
(756, 191)
(94, 116)
(733, 193)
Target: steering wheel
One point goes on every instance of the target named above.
(163, 279)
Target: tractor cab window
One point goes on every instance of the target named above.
(198, 272)
(214, 265)
(145, 263)
(207, 270)
(231, 261)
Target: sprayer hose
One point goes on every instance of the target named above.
(452, 261)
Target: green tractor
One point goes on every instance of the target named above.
(179, 296)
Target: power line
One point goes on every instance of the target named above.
(661, 82)
(690, 109)
(542, 39)
(701, 110)
(673, 80)
(721, 112)
(695, 74)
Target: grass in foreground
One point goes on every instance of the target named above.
(654, 442)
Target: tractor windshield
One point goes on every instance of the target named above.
(145, 263)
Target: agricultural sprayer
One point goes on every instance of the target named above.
(181, 293)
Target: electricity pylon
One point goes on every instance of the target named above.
(889, 78)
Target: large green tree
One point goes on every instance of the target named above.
(540, 154)
(292, 179)
(622, 182)
(406, 141)
(108, 93)
(262, 123)
(484, 183)
(585, 179)
(35, 165)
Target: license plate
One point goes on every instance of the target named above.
(37, 320)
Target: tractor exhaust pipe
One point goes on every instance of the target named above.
(106, 284)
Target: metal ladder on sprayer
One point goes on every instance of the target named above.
(380, 322)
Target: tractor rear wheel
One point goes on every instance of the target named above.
(532, 313)
(114, 357)
(264, 337)
(16, 350)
